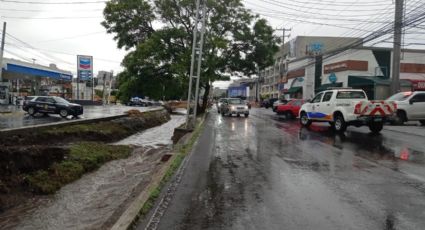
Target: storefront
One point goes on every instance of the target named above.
(23, 79)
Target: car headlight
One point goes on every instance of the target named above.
(246, 107)
(232, 107)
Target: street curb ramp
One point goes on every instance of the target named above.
(130, 215)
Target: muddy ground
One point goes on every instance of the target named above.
(23, 153)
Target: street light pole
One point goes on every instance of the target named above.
(398, 24)
(3, 37)
(196, 46)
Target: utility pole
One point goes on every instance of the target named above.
(3, 37)
(257, 82)
(197, 46)
(110, 86)
(283, 57)
(398, 24)
(92, 88)
(103, 90)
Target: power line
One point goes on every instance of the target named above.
(71, 37)
(49, 18)
(52, 3)
(30, 10)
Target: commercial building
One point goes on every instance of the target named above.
(301, 75)
(21, 79)
(293, 55)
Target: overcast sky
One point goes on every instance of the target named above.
(58, 32)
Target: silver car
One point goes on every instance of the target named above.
(234, 106)
(219, 103)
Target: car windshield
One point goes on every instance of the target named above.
(399, 96)
(61, 100)
(350, 95)
(235, 101)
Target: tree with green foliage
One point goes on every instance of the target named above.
(158, 34)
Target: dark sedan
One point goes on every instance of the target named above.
(52, 105)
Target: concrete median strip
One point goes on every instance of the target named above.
(72, 122)
(144, 201)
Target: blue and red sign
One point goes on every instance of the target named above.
(85, 67)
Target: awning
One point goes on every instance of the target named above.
(326, 86)
(367, 80)
(293, 90)
(25, 70)
(372, 80)
(413, 83)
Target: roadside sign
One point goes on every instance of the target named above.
(85, 67)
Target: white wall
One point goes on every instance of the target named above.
(358, 55)
(418, 58)
(85, 92)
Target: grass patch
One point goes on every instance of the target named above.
(178, 159)
(105, 128)
(82, 158)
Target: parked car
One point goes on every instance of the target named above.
(27, 99)
(290, 109)
(267, 103)
(136, 101)
(344, 107)
(410, 107)
(219, 103)
(52, 105)
(277, 103)
(234, 106)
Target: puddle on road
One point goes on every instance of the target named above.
(365, 145)
(90, 201)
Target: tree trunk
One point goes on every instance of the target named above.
(204, 105)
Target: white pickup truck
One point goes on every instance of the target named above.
(343, 107)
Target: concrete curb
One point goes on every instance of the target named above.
(131, 213)
(134, 208)
(65, 123)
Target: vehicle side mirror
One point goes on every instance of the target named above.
(411, 101)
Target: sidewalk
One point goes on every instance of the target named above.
(412, 128)
(8, 108)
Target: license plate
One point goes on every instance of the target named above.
(377, 119)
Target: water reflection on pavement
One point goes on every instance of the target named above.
(18, 118)
(267, 173)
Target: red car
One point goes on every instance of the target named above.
(290, 109)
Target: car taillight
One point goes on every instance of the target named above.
(357, 108)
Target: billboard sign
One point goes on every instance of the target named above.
(85, 67)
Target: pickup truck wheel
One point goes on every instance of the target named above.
(400, 118)
(339, 124)
(246, 115)
(31, 111)
(63, 113)
(376, 127)
(422, 122)
(304, 120)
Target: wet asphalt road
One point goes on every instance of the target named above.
(19, 118)
(266, 173)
